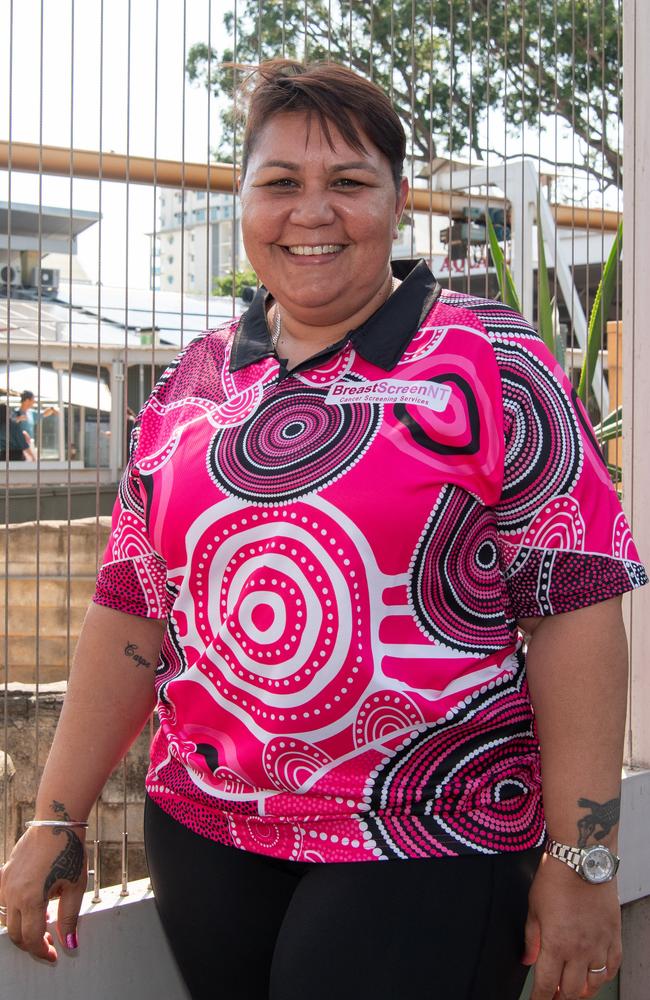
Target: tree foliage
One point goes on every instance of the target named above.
(243, 279)
(446, 62)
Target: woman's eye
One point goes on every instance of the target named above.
(348, 182)
(282, 182)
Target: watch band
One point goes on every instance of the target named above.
(571, 856)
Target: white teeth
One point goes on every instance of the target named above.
(306, 251)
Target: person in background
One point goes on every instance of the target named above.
(341, 515)
(29, 416)
(18, 440)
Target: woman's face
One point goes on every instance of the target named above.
(318, 223)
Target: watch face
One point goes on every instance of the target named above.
(598, 864)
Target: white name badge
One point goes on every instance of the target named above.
(433, 395)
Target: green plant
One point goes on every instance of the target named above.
(599, 311)
(609, 428)
(504, 276)
(223, 285)
(545, 324)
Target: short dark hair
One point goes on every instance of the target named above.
(27, 394)
(335, 95)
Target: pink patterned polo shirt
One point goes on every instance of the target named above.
(342, 552)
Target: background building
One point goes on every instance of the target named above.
(195, 242)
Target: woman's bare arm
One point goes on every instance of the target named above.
(577, 672)
(110, 695)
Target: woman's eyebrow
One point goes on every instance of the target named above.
(355, 165)
(339, 167)
(283, 164)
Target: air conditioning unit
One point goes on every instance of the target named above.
(10, 275)
(45, 278)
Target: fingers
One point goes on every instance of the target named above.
(548, 972)
(614, 959)
(557, 979)
(576, 981)
(27, 931)
(68, 916)
(595, 980)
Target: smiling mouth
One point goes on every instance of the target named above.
(314, 251)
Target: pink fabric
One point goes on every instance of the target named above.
(341, 677)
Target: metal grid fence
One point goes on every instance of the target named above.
(119, 238)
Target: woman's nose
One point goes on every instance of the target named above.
(313, 209)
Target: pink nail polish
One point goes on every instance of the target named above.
(71, 941)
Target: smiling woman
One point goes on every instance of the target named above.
(322, 194)
(347, 507)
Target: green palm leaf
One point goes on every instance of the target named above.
(545, 325)
(611, 427)
(506, 285)
(599, 312)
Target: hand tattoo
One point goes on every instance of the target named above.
(604, 815)
(130, 650)
(68, 864)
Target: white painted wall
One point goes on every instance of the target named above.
(122, 954)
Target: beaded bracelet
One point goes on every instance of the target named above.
(55, 822)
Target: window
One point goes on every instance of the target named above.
(170, 239)
(170, 279)
(170, 260)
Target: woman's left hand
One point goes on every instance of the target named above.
(572, 927)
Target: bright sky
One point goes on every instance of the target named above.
(110, 119)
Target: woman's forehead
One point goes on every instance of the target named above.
(295, 134)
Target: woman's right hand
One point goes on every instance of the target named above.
(45, 863)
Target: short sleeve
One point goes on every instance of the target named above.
(563, 538)
(133, 575)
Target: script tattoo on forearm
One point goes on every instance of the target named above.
(131, 650)
(599, 821)
(68, 864)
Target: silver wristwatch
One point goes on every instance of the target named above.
(594, 864)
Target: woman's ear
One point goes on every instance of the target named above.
(400, 204)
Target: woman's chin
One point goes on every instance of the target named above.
(308, 295)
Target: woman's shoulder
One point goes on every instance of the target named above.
(198, 364)
(499, 321)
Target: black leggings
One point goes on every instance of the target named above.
(247, 927)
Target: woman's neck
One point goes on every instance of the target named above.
(299, 339)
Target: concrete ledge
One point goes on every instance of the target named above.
(122, 953)
(634, 873)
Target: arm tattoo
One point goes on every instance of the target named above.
(60, 810)
(604, 815)
(130, 650)
(68, 864)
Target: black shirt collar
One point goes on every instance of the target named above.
(381, 340)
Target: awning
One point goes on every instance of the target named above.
(78, 390)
